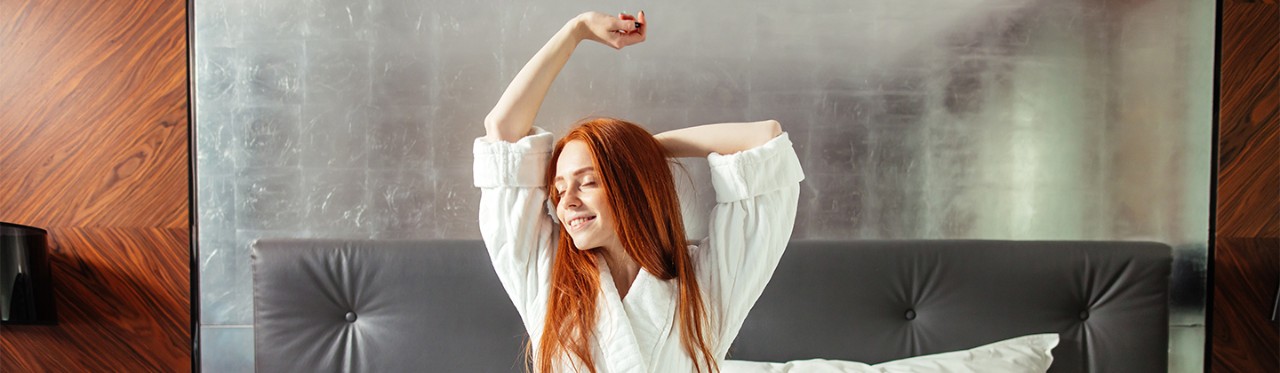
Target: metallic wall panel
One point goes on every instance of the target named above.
(997, 119)
(229, 349)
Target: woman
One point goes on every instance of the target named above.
(607, 282)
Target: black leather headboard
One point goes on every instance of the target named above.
(381, 306)
(388, 306)
(874, 301)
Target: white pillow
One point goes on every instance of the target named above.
(1017, 355)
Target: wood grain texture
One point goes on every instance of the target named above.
(1244, 337)
(1249, 122)
(1247, 226)
(95, 117)
(93, 147)
(122, 305)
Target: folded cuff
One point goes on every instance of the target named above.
(756, 171)
(513, 164)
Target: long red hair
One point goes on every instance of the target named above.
(636, 178)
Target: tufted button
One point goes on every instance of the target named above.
(1084, 315)
(911, 314)
(351, 316)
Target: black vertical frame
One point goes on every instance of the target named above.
(1213, 188)
(193, 215)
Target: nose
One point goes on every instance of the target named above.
(570, 198)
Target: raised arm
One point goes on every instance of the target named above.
(721, 138)
(513, 116)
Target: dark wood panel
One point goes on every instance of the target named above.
(93, 146)
(93, 130)
(1244, 337)
(1247, 224)
(1249, 122)
(122, 304)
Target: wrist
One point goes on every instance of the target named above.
(663, 141)
(577, 28)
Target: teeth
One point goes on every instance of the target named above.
(578, 221)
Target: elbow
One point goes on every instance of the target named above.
(762, 132)
(772, 128)
(490, 125)
(493, 128)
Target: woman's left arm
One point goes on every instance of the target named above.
(756, 175)
(720, 138)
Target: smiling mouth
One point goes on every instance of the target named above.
(579, 223)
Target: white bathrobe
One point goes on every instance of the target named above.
(756, 195)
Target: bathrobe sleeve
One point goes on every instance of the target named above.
(514, 219)
(757, 192)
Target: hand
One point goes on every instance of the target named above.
(616, 32)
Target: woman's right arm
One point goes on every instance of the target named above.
(510, 166)
(513, 115)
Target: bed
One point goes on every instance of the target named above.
(411, 306)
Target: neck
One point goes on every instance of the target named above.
(623, 269)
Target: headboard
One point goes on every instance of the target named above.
(332, 305)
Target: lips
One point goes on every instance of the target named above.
(580, 222)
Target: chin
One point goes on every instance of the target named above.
(582, 247)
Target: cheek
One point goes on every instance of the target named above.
(594, 198)
(598, 205)
(606, 219)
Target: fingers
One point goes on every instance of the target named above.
(626, 24)
(641, 25)
(627, 30)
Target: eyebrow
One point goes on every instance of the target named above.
(576, 173)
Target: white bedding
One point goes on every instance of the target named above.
(1022, 354)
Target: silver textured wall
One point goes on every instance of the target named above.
(1000, 119)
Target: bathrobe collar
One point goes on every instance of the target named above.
(630, 330)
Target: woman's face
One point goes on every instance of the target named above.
(583, 207)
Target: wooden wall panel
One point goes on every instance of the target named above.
(1244, 337)
(1249, 121)
(93, 147)
(94, 113)
(1247, 227)
(117, 300)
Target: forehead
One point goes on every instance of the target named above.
(573, 157)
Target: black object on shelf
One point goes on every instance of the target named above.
(26, 284)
